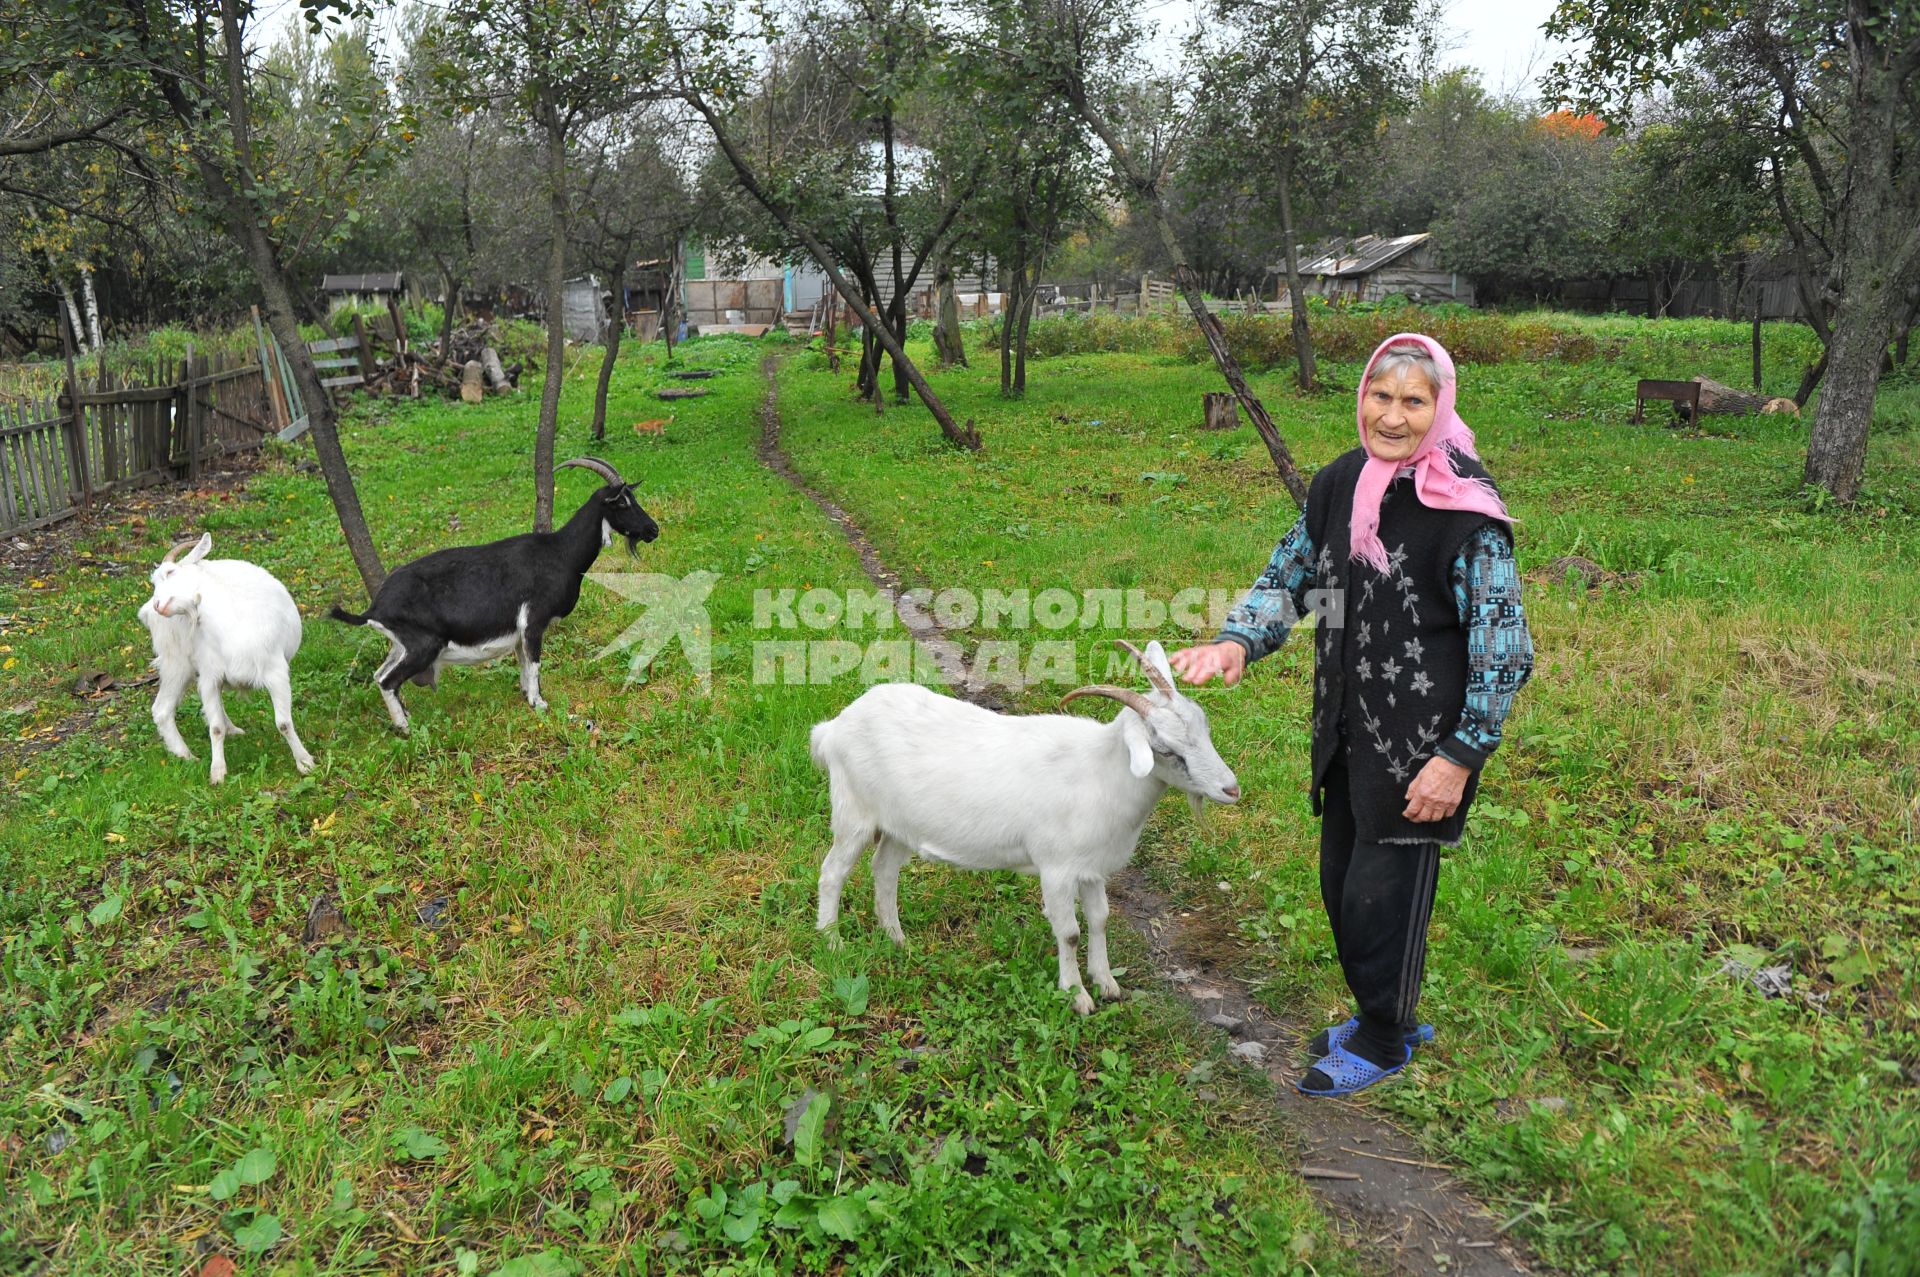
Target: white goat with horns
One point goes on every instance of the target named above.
(232, 624)
(913, 772)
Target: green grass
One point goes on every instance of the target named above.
(1719, 756)
(590, 1066)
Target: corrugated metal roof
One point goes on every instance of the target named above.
(1362, 256)
(388, 282)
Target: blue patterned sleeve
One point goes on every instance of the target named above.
(1486, 590)
(1261, 621)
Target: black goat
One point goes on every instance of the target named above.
(475, 603)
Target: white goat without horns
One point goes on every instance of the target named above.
(914, 772)
(229, 623)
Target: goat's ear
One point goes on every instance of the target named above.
(201, 548)
(1157, 658)
(1139, 752)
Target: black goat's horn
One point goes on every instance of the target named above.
(598, 466)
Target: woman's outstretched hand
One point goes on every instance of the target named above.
(1436, 792)
(1198, 665)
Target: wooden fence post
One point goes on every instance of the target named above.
(364, 352)
(190, 424)
(76, 430)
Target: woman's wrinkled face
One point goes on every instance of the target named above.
(1397, 411)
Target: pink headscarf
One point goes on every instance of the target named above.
(1436, 481)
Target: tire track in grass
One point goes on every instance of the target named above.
(1409, 1214)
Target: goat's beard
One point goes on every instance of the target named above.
(1197, 804)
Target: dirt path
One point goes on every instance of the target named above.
(1409, 1214)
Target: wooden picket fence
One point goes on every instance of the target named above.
(56, 455)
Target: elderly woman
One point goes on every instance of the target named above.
(1405, 554)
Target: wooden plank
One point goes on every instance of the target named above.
(42, 499)
(332, 344)
(131, 394)
(19, 500)
(336, 363)
(328, 383)
(275, 398)
(27, 464)
(9, 515)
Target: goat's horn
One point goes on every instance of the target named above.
(179, 548)
(1125, 695)
(1153, 675)
(596, 465)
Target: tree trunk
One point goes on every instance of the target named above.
(613, 347)
(948, 340)
(556, 321)
(1010, 314)
(967, 436)
(897, 316)
(1306, 374)
(93, 307)
(1029, 299)
(1146, 192)
(1837, 443)
(66, 293)
(447, 316)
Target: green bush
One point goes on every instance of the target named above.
(1076, 334)
(1350, 333)
(423, 321)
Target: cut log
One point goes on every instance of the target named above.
(472, 388)
(1222, 411)
(496, 375)
(1722, 400)
(680, 392)
(695, 374)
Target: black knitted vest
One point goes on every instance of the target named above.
(1389, 683)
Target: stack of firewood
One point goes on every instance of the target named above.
(469, 370)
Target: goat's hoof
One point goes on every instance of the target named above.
(402, 729)
(303, 765)
(1111, 991)
(833, 939)
(217, 778)
(1082, 1002)
(231, 730)
(540, 707)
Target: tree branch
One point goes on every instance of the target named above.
(61, 137)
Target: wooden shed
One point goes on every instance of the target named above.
(359, 290)
(1374, 267)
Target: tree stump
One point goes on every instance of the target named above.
(1222, 411)
(472, 388)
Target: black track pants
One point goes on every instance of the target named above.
(1379, 898)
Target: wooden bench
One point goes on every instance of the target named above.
(1676, 392)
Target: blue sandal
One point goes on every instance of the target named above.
(1337, 1035)
(1349, 1073)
